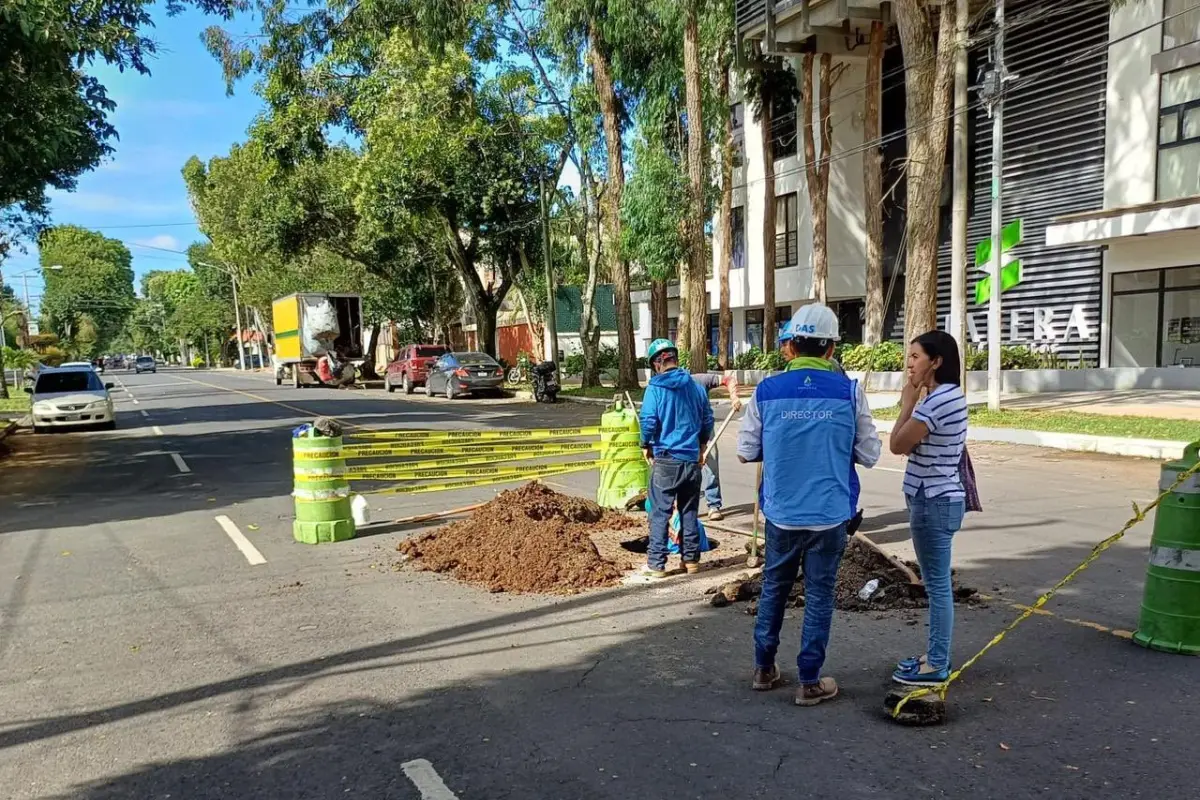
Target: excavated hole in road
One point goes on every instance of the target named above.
(860, 564)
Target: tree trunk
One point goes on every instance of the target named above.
(589, 326)
(768, 229)
(486, 309)
(697, 247)
(929, 79)
(873, 188)
(658, 310)
(817, 168)
(619, 268)
(3, 377)
(725, 314)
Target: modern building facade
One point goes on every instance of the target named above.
(1104, 177)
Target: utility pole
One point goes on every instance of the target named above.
(994, 337)
(551, 316)
(237, 312)
(958, 242)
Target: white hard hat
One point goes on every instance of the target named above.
(815, 321)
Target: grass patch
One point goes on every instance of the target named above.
(18, 403)
(1175, 430)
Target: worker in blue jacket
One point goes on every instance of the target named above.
(676, 425)
(808, 426)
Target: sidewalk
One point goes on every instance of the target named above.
(1162, 404)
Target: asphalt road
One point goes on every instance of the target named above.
(143, 655)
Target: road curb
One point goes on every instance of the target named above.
(1158, 449)
(7, 428)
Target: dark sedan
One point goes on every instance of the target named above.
(455, 374)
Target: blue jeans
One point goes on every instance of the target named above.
(673, 484)
(711, 480)
(820, 553)
(933, 522)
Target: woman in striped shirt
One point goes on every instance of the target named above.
(932, 433)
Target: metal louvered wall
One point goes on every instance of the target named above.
(1053, 165)
(749, 13)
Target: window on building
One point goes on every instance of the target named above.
(737, 113)
(783, 127)
(1182, 24)
(738, 222)
(787, 221)
(1156, 318)
(1179, 134)
(782, 315)
(754, 327)
(672, 328)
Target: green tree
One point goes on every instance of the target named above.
(87, 301)
(54, 117)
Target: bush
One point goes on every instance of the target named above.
(883, 357)
(573, 365)
(53, 356)
(771, 361)
(198, 362)
(710, 364)
(748, 359)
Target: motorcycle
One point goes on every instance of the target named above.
(545, 382)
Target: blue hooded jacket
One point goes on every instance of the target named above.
(676, 419)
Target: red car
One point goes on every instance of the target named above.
(411, 367)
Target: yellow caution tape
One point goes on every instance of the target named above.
(1139, 514)
(549, 471)
(399, 470)
(377, 451)
(485, 435)
(422, 474)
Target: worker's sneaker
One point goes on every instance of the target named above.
(766, 678)
(715, 515)
(651, 572)
(691, 567)
(921, 675)
(809, 694)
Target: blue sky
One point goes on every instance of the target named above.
(177, 111)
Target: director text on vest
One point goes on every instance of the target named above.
(794, 414)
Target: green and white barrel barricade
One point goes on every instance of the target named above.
(624, 473)
(321, 493)
(1170, 619)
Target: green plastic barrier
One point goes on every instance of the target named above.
(628, 474)
(322, 495)
(1170, 619)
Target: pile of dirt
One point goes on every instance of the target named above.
(860, 565)
(530, 539)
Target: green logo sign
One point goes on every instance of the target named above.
(1010, 274)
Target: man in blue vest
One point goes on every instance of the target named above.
(808, 426)
(676, 423)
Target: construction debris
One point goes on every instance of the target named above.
(860, 565)
(530, 539)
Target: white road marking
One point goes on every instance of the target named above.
(157, 430)
(240, 541)
(125, 389)
(428, 782)
(144, 413)
(180, 464)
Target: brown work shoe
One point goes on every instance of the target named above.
(691, 567)
(766, 679)
(810, 694)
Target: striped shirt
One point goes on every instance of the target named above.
(933, 465)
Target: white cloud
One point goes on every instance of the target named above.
(162, 241)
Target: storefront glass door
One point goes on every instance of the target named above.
(1156, 318)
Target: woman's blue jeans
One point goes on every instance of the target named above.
(933, 522)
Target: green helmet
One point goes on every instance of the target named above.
(660, 346)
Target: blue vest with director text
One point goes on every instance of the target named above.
(808, 428)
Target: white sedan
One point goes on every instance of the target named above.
(71, 397)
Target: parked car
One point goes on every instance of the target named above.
(145, 364)
(71, 397)
(455, 374)
(411, 367)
